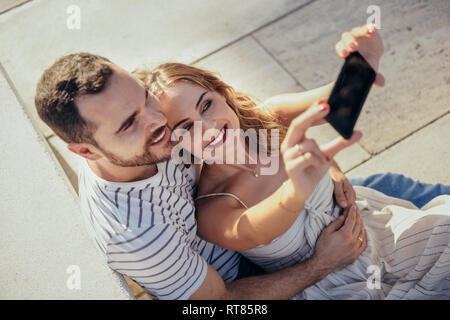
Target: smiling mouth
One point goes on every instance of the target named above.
(220, 138)
(159, 136)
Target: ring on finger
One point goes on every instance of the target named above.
(297, 149)
(362, 235)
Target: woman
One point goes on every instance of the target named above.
(275, 219)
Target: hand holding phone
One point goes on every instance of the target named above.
(349, 94)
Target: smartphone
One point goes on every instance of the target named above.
(349, 94)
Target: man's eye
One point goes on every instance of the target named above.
(129, 125)
(206, 105)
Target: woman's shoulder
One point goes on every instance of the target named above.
(211, 184)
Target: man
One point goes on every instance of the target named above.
(138, 204)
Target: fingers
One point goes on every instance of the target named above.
(362, 235)
(379, 80)
(359, 232)
(349, 40)
(300, 149)
(299, 125)
(336, 224)
(358, 224)
(341, 50)
(364, 30)
(340, 195)
(297, 129)
(304, 161)
(349, 192)
(338, 144)
(350, 220)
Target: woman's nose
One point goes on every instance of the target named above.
(208, 124)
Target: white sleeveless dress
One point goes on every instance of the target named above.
(407, 254)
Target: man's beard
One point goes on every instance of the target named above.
(146, 159)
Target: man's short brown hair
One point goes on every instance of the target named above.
(70, 77)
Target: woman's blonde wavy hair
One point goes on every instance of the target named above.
(251, 114)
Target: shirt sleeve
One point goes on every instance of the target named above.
(160, 259)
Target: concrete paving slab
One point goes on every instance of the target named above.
(150, 32)
(10, 4)
(348, 158)
(416, 62)
(44, 243)
(423, 156)
(68, 160)
(247, 67)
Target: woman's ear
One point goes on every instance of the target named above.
(85, 150)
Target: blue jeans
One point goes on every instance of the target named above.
(399, 186)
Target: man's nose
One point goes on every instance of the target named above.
(154, 120)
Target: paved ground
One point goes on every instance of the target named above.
(263, 47)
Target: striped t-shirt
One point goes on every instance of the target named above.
(147, 230)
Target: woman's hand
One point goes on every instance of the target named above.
(367, 42)
(343, 190)
(305, 162)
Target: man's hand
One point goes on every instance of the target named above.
(367, 42)
(343, 190)
(340, 243)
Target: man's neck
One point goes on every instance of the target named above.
(110, 172)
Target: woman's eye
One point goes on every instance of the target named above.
(188, 126)
(206, 105)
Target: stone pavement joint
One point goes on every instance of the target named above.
(253, 31)
(279, 63)
(9, 5)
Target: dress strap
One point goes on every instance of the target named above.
(222, 194)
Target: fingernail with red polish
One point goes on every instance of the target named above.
(353, 45)
(371, 29)
(324, 107)
(321, 101)
(344, 52)
(327, 157)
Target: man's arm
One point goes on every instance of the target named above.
(283, 284)
(337, 247)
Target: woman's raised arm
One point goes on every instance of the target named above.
(290, 105)
(223, 221)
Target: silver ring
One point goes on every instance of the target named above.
(297, 148)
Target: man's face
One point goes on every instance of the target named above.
(130, 127)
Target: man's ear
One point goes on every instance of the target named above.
(85, 150)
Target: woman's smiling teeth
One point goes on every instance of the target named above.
(219, 139)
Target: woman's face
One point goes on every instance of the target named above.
(199, 118)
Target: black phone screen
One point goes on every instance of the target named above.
(349, 93)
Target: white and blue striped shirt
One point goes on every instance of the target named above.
(147, 230)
